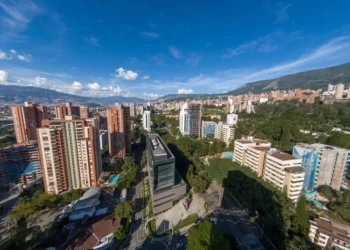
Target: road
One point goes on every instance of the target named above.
(136, 238)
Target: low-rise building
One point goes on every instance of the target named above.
(285, 172)
(241, 146)
(326, 234)
(255, 159)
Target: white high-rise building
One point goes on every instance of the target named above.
(146, 120)
(184, 119)
(250, 107)
(225, 132)
(232, 119)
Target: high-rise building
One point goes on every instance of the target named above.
(190, 119)
(26, 119)
(232, 119)
(348, 96)
(284, 171)
(225, 132)
(119, 137)
(69, 153)
(208, 127)
(250, 108)
(242, 145)
(323, 164)
(146, 120)
(103, 138)
(66, 109)
(166, 184)
(85, 113)
(339, 90)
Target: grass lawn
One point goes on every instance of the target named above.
(219, 169)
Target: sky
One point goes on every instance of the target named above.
(148, 49)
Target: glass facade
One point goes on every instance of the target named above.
(209, 129)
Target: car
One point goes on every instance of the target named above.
(179, 245)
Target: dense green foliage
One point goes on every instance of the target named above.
(207, 236)
(121, 232)
(30, 208)
(219, 169)
(271, 207)
(300, 224)
(128, 173)
(281, 123)
(8, 140)
(339, 202)
(124, 209)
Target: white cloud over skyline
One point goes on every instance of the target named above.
(126, 74)
(40, 81)
(3, 76)
(94, 86)
(185, 91)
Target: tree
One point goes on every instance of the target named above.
(121, 232)
(207, 236)
(144, 158)
(300, 221)
(124, 209)
(199, 182)
(128, 174)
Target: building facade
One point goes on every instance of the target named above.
(70, 154)
(85, 113)
(208, 127)
(326, 234)
(339, 90)
(232, 119)
(166, 184)
(146, 120)
(255, 159)
(242, 145)
(190, 119)
(285, 172)
(103, 138)
(26, 119)
(119, 137)
(323, 164)
(66, 109)
(225, 133)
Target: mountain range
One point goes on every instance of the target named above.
(20, 94)
(311, 79)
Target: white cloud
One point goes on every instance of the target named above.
(126, 74)
(150, 95)
(92, 40)
(4, 56)
(185, 91)
(175, 52)
(150, 34)
(194, 59)
(77, 85)
(3, 76)
(40, 81)
(145, 78)
(25, 58)
(94, 86)
(13, 51)
(117, 90)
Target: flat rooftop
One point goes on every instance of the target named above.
(282, 156)
(294, 170)
(247, 141)
(265, 149)
(319, 146)
(160, 151)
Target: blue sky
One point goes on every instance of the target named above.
(153, 48)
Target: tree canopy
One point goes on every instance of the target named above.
(124, 209)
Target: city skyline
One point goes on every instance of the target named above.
(93, 51)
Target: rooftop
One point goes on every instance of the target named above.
(295, 170)
(32, 167)
(89, 198)
(319, 146)
(265, 149)
(281, 156)
(326, 227)
(160, 151)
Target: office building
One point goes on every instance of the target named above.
(232, 119)
(70, 154)
(26, 119)
(166, 184)
(146, 120)
(190, 119)
(208, 127)
(285, 172)
(225, 133)
(119, 137)
(103, 138)
(85, 113)
(328, 235)
(323, 164)
(339, 90)
(241, 146)
(255, 159)
(66, 109)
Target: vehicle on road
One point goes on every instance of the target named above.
(179, 245)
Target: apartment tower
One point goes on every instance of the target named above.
(146, 120)
(339, 90)
(190, 119)
(70, 154)
(26, 119)
(119, 138)
(66, 109)
(242, 145)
